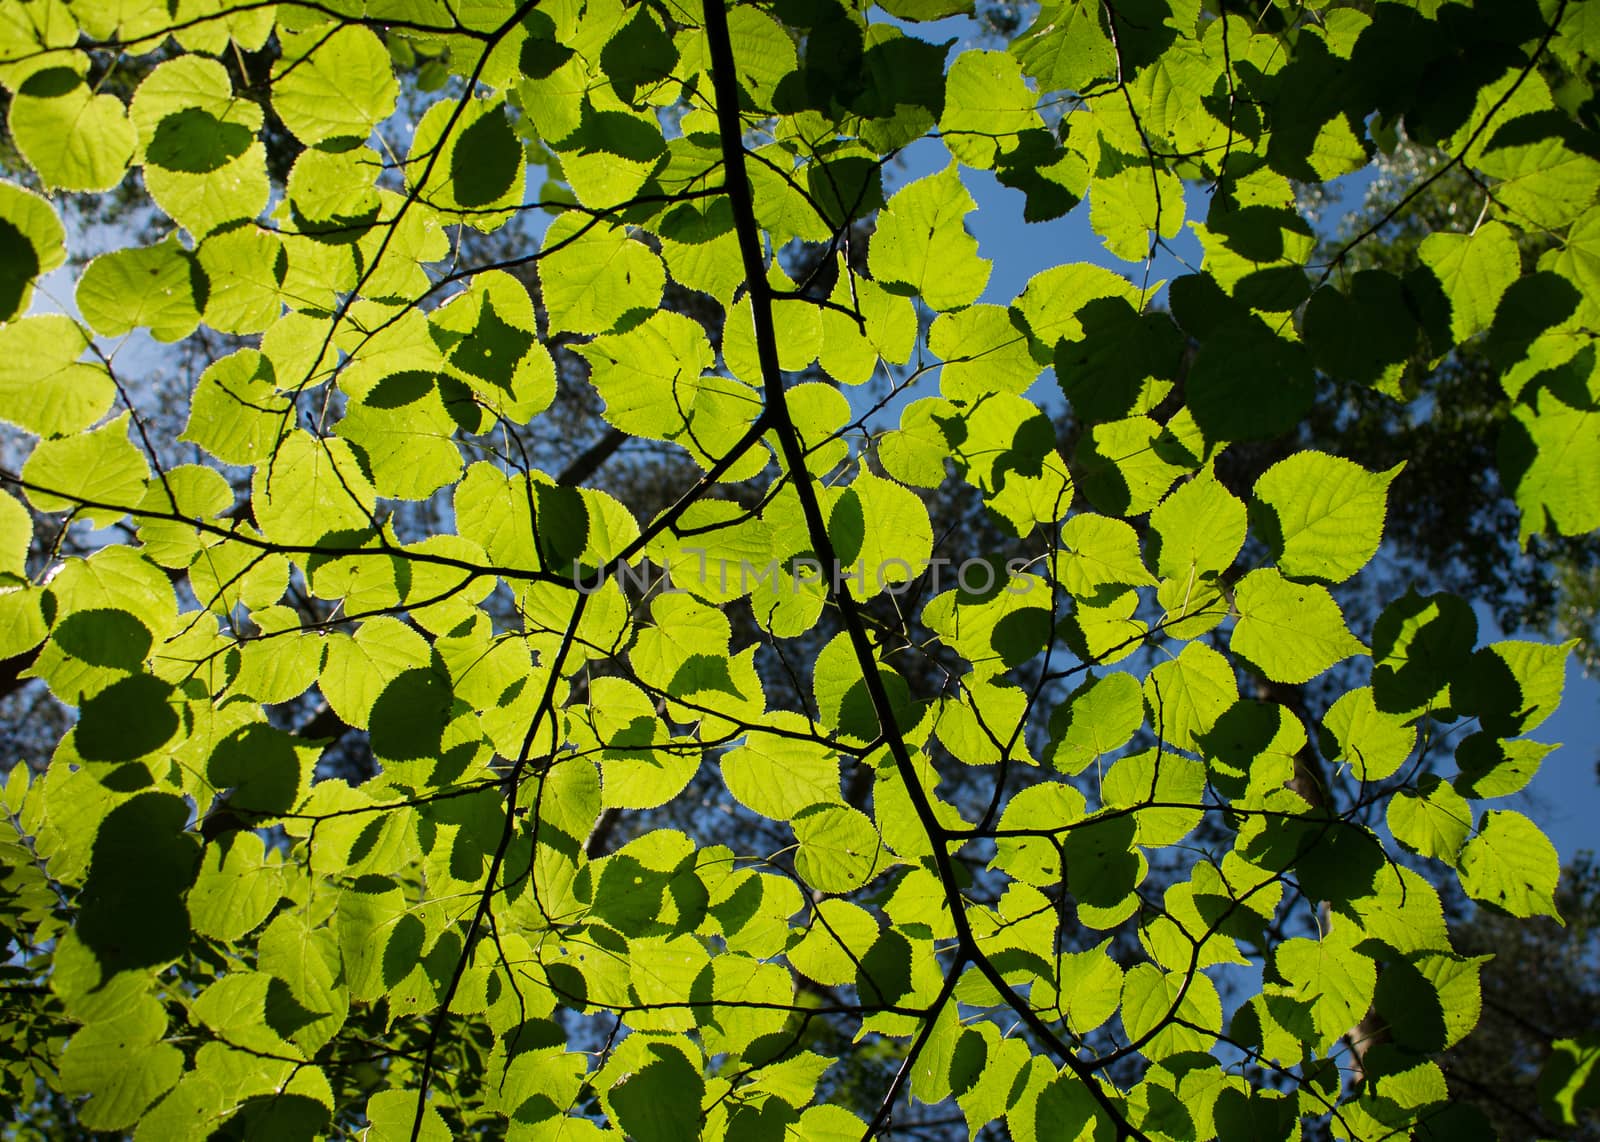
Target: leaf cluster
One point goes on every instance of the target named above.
(1110, 829)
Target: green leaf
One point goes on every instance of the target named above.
(34, 38)
(1418, 643)
(611, 155)
(235, 1006)
(1103, 869)
(1197, 530)
(921, 243)
(189, 490)
(404, 430)
(1056, 302)
(1066, 48)
(986, 106)
(1261, 1116)
(1431, 1000)
(244, 268)
(1128, 465)
(235, 889)
(1320, 515)
(16, 535)
(125, 721)
(983, 352)
(1364, 334)
(1172, 786)
(985, 725)
(313, 1004)
(476, 170)
(926, 9)
(1246, 383)
(358, 668)
(1289, 631)
(660, 1102)
(996, 625)
(1150, 998)
(489, 334)
(196, 143)
(1096, 553)
(160, 287)
(1251, 746)
(332, 197)
(839, 936)
(907, 94)
(311, 490)
(1567, 1083)
(1007, 449)
(881, 534)
(1511, 864)
(839, 848)
(101, 467)
(1187, 695)
(1098, 718)
(640, 54)
(1375, 744)
(74, 138)
(1548, 455)
(835, 1123)
(840, 692)
(393, 1114)
(132, 910)
(1542, 180)
(930, 1080)
(44, 387)
(203, 164)
(1135, 206)
(118, 1055)
(1474, 271)
(1432, 819)
(1512, 686)
(990, 1094)
(1332, 979)
(1124, 362)
(780, 777)
(32, 243)
(1037, 859)
(1403, 910)
(666, 353)
(1491, 768)
(1091, 988)
(333, 86)
(637, 772)
(765, 53)
(189, 122)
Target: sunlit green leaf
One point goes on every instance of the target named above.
(44, 386)
(160, 287)
(33, 242)
(921, 243)
(101, 470)
(74, 138)
(1321, 515)
(1511, 864)
(1290, 631)
(333, 86)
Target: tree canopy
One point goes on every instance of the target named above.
(964, 715)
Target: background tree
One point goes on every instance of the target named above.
(461, 939)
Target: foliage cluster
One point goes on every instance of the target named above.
(1115, 835)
